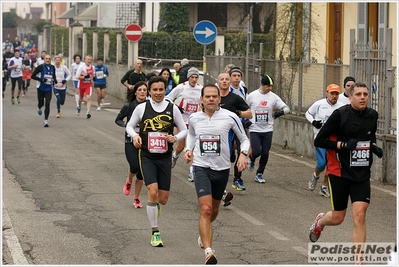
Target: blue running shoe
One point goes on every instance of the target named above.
(259, 178)
(238, 185)
(39, 111)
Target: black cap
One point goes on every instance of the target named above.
(348, 79)
(100, 58)
(267, 80)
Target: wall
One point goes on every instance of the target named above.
(296, 132)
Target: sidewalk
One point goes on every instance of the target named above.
(109, 100)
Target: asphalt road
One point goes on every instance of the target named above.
(63, 202)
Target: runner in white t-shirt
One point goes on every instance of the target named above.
(187, 97)
(208, 149)
(262, 103)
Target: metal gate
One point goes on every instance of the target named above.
(371, 64)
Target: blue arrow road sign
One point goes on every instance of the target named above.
(205, 32)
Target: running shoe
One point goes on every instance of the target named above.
(127, 188)
(324, 191)
(78, 108)
(174, 159)
(137, 204)
(59, 115)
(156, 240)
(313, 182)
(45, 124)
(210, 258)
(13, 100)
(191, 177)
(159, 209)
(315, 230)
(98, 108)
(251, 165)
(238, 185)
(39, 111)
(88, 115)
(227, 197)
(23, 95)
(200, 243)
(259, 178)
(18, 100)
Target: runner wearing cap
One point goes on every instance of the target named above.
(262, 103)
(317, 115)
(344, 97)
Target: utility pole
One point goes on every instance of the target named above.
(249, 41)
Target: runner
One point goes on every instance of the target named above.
(100, 81)
(349, 136)
(262, 102)
(62, 76)
(135, 97)
(74, 68)
(157, 118)
(208, 147)
(45, 75)
(15, 70)
(85, 73)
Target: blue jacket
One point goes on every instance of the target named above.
(47, 73)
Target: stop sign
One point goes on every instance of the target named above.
(133, 32)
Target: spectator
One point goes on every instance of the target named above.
(184, 70)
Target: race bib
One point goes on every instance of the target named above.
(100, 74)
(191, 107)
(157, 142)
(59, 85)
(49, 79)
(262, 116)
(360, 156)
(209, 145)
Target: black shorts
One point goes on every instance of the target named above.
(101, 86)
(341, 189)
(210, 182)
(156, 171)
(131, 153)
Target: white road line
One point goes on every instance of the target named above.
(246, 215)
(392, 193)
(277, 235)
(13, 244)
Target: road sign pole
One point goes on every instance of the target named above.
(204, 62)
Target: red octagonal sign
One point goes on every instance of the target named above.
(133, 32)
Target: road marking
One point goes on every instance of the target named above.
(246, 215)
(17, 254)
(392, 193)
(277, 235)
(301, 250)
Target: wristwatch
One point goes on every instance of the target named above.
(245, 152)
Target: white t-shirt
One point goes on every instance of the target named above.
(74, 69)
(343, 99)
(15, 66)
(321, 110)
(62, 73)
(262, 110)
(186, 97)
(208, 136)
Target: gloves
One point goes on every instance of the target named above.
(87, 76)
(349, 145)
(317, 124)
(44, 80)
(94, 78)
(377, 150)
(278, 113)
(181, 109)
(247, 123)
(63, 81)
